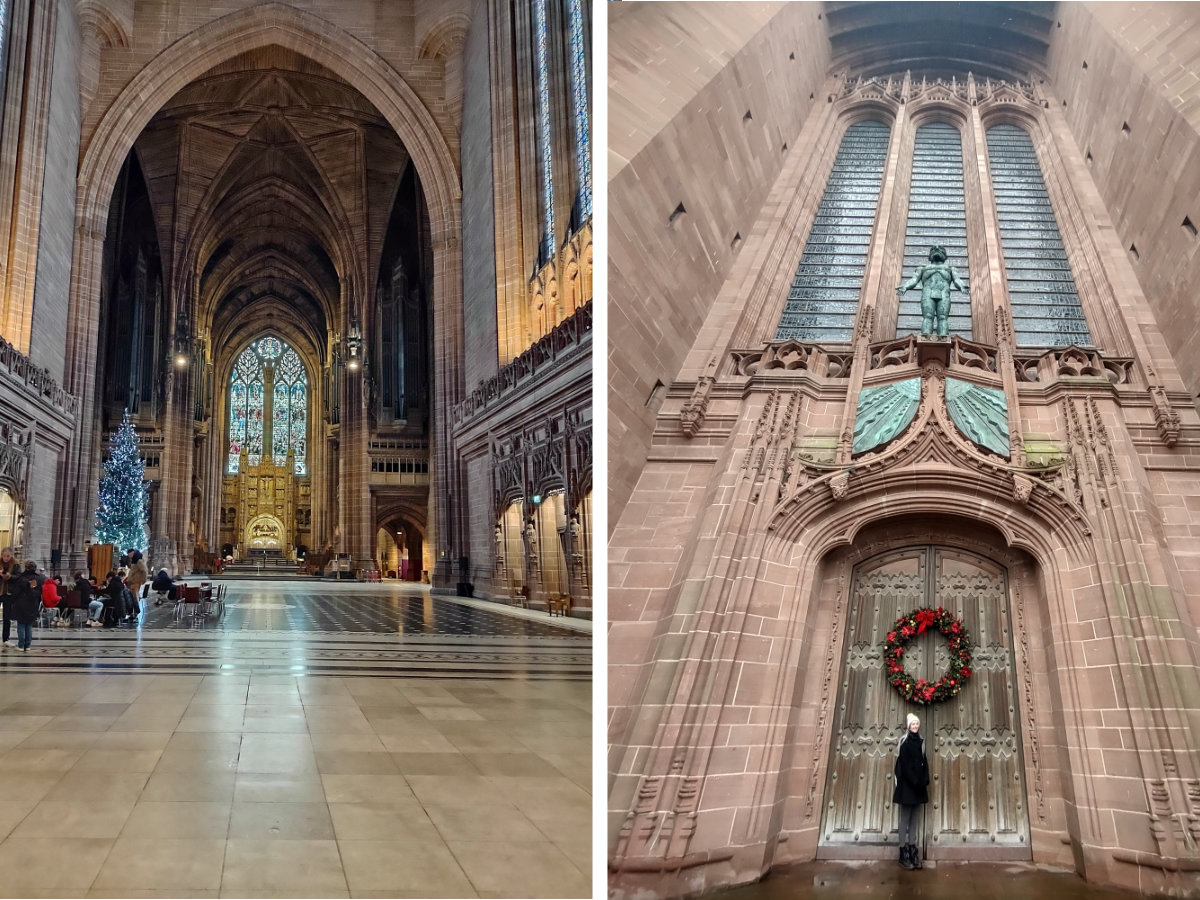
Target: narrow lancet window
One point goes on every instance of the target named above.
(579, 102)
(546, 249)
(1041, 289)
(823, 300)
(937, 216)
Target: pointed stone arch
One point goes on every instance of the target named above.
(317, 38)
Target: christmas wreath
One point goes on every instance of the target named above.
(908, 626)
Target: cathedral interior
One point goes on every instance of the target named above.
(333, 260)
(305, 260)
(903, 308)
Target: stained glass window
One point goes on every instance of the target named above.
(288, 417)
(1041, 289)
(268, 405)
(936, 215)
(579, 99)
(823, 300)
(3, 46)
(543, 110)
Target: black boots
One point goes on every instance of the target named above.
(910, 857)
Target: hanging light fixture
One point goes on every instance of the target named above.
(354, 346)
(181, 344)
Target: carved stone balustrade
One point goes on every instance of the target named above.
(20, 370)
(1073, 362)
(791, 356)
(566, 341)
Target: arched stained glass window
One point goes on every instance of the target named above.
(823, 301)
(1041, 289)
(268, 406)
(937, 214)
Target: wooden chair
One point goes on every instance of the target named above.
(559, 604)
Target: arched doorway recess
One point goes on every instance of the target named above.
(978, 799)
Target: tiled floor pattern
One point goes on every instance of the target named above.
(380, 608)
(376, 743)
(335, 629)
(248, 785)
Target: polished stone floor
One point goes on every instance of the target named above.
(828, 880)
(409, 754)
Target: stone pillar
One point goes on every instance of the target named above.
(353, 489)
(447, 518)
(175, 492)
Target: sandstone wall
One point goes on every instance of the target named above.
(53, 285)
(1134, 113)
(478, 208)
(679, 135)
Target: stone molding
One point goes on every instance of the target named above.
(16, 450)
(556, 350)
(34, 381)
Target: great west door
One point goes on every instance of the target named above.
(977, 797)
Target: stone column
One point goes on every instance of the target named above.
(353, 489)
(447, 518)
(172, 546)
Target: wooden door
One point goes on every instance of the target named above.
(977, 797)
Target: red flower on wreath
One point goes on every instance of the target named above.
(918, 622)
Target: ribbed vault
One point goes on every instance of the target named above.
(993, 40)
(257, 173)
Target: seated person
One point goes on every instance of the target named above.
(126, 604)
(164, 587)
(112, 597)
(51, 598)
(88, 599)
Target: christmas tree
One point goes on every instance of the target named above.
(121, 516)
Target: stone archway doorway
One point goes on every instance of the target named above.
(978, 806)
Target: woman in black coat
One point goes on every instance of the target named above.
(24, 602)
(912, 790)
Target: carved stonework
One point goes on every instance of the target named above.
(691, 417)
(16, 449)
(1166, 420)
(840, 485)
(1022, 488)
(791, 356)
(1073, 362)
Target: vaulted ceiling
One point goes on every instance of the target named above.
(272, 181)
(993, 40)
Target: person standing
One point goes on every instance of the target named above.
(138, 575)
(24, 600)
(9, 570)
(912, 789)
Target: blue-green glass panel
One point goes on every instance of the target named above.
(823, 300)
(1045, 306)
